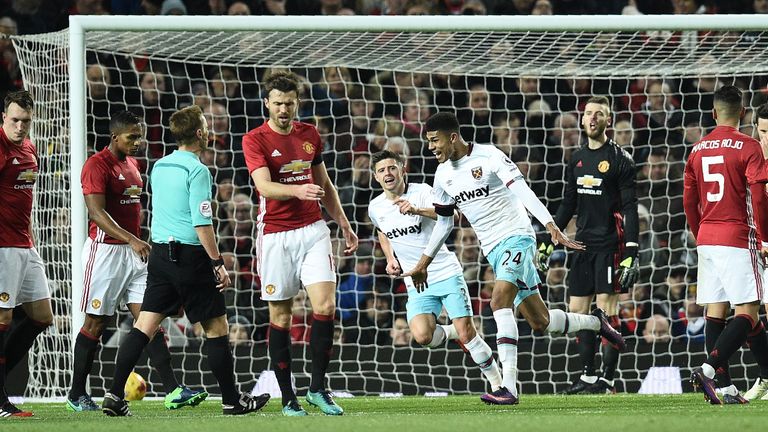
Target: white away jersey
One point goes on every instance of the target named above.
(478, 185)
(409, 234)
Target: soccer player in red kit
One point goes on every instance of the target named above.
(22, 273)
(294, 244)
(726, 207)
(115, 260)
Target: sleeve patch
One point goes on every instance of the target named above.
(205, 209)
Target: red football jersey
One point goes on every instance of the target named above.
(18, 173)
(290, 159)
(120, 183)
(719, 172)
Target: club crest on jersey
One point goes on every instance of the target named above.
(4, 297)
(399, 232)
(308, 147)
(270, 289)
(297, 166)
(603, 166)
(477, 172)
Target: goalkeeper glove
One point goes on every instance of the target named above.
(542, 257)
(629, 268)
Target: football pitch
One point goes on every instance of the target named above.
(624, 413)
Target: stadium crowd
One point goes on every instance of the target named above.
(359, 112)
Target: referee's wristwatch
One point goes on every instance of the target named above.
(217, 262)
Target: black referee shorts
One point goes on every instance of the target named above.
(189, 283)
(593, 273)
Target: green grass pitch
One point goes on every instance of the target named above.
(618, 413)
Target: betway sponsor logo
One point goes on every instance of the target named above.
(469, 195)
(400, 232)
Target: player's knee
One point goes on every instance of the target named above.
(539, 323)
(500, 302)
(325, 308)
(94, 325)
(422, 336)
(466, 333)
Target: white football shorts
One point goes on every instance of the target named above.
(289, 259)
(729, 274)
(22, 277)
(112, 275)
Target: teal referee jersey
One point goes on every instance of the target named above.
(181, 198)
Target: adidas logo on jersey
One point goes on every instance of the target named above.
(468, 195)
(120, 177)
(15, 161)
(276, 153)
(399, 232)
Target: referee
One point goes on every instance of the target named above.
(185, 267)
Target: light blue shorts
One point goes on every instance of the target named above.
(451, 293)
(513, 261)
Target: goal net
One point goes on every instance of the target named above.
(518, 83)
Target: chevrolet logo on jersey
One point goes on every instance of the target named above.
(28, 176)
(133, 191)
(295, 167)
(399, 232)
(589, 182)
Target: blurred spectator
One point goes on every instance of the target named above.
(353, 288)
(760, 6)
(375, 320)
(10, 74)
(239, 8)
(151, 7)
(656, 329)
(475, 118)
(239, 330)
(468, 253)
(542, 7)
(623, 134)
(419, 7)
(173, 7)
(400, 333)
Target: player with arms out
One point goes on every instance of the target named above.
(285, 162)
(404, 218)
(114, 260)
(601, 192)
(490, 191)
(22, 273)
(727, 211)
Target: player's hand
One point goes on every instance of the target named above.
(351, 240)
(542, 256)
(140, 248)
(309, 192)
(559, 238)
(222, 277)
(419, 277)
(405, 207)
(393, 269)
(629, 268)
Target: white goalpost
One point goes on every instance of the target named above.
(516, 82)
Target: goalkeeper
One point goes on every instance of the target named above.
(600, 190)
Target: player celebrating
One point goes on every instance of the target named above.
(404, 218)
(22, 274)
(114, 260)
(726, 208)
(284, 159)
(492, 194)
(600, 189)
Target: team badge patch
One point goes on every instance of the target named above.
(270, 289)
(603, 166)
(477, 173)
(4, 297)
(205, 209)
(96, 303)
(308, 147)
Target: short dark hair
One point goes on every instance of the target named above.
(22, 98)
(762, 112)
(602, 100)
(729, 98)
(282, 81)
(122, 121)
(386, 154)
(185, 123)
(442, 122)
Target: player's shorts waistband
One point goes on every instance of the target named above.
(184, 251)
